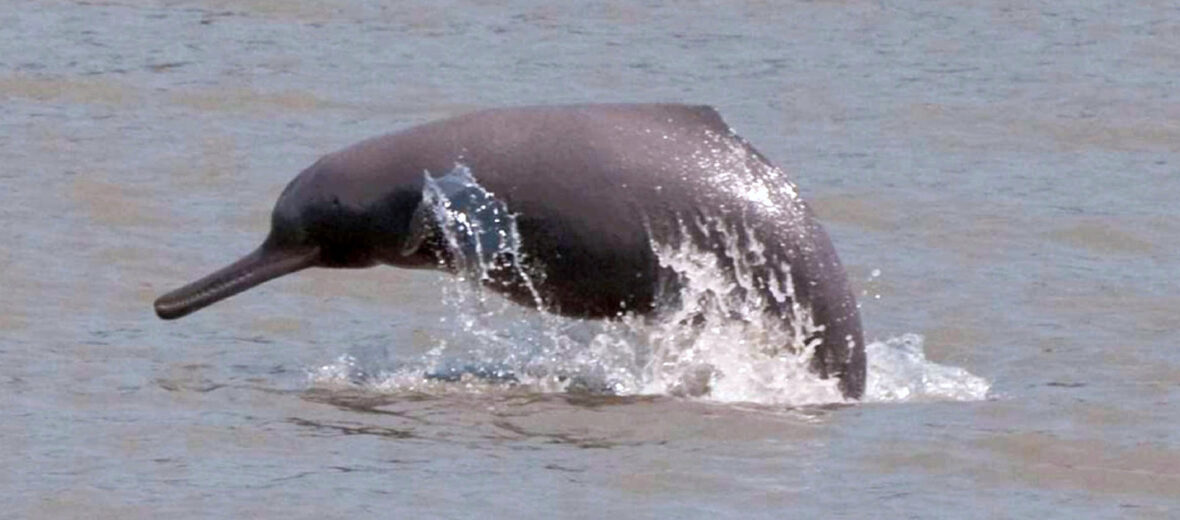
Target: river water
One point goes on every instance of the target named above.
(1000, 179)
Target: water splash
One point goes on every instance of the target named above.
(713, 339)
(479, 232)
(899, 371)
(718, 341)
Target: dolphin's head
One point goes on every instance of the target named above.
(326, 217)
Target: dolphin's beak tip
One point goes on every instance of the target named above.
(162, 310)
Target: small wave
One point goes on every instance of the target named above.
(899, 371)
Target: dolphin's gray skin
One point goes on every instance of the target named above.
(592, 188)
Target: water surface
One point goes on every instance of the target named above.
(999, 177)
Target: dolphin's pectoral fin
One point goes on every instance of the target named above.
(253, 269)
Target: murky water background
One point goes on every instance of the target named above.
(1009, 170)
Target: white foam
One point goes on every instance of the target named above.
(899, 371)
(709, 367)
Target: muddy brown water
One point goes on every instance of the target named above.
(1000, 178)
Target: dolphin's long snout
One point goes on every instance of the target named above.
(253, 269)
